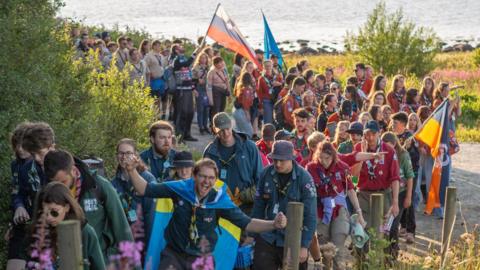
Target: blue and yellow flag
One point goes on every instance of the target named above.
(225, 250)
(434, 133)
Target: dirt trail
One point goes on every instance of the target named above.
(466, 177)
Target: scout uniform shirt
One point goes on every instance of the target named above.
(272, 197)
(332, 185)
(192, 221)
(377, 175)
(159, 166)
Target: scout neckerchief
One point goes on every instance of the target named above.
(121, 57)
(269, 83)
(427, 100)
(301, 145)
(371, 167)
(281, 190)
(128, 204)
(193, 229)
(398, 96)
(139, 70)
(224, 80)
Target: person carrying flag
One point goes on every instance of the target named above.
(198, 204)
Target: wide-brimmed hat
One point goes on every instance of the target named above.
(282, 150)
(183, 159)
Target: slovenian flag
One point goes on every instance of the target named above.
(434, 133)
(225, 251)
(224, 31)
(269, 43)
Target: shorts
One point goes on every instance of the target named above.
(17, 245)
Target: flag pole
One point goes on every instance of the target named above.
(206, 33)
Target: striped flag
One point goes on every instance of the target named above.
(225, 250)
(434, 133)
(224, 31)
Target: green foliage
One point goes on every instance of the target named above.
(476, 57)
(393, 45)
(40, 81)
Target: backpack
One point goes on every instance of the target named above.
(278, 118)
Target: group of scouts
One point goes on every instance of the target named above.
(321, 144)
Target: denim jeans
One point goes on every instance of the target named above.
(202, 108)
(267, 111)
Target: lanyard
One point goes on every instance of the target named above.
(139, 70)
(226, 163)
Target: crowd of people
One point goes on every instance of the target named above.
(294, 135)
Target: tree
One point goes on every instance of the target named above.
(394, 45)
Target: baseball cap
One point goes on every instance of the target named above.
(222, 120)
(282, 150)
(355, 128)
(372, 125)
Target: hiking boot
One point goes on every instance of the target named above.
(410, 238)
(402, 232)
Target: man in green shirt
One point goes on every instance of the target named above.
(356, 133)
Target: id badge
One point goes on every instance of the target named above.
(275, 208)
(270, 91)
(223, 174)
(132, 215)
(166, 164)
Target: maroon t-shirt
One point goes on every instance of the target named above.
(378, 174)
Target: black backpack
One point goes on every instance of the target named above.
(278, 117)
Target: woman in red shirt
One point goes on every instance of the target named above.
(396, 97)
(332, 179)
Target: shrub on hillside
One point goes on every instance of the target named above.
(393, 45)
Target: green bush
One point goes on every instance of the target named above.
(40, 81)
(393, 45)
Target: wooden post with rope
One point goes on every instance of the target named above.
(69, 243)
(293, 236)
(448, 221)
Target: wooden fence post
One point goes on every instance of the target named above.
(69, 241)
(448, 220)
(376, 212)
(293, 236)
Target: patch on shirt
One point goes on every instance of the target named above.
(338, 176)
(311, 187)
(90, 205)
(208, 219)
(394, 157)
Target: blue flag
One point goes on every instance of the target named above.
(270, 45)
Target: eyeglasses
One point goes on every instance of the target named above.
(202, 176)
(125, 154)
